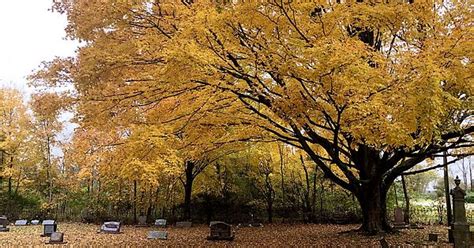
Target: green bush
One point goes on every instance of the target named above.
(470, 197)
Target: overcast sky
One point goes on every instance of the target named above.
(29, 34)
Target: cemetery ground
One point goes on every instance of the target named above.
(276, 235)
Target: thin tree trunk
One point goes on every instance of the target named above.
(10, 178)
(282, 163)
(48, 170)
(407, 201)
(306, 204)
(134, 201)
(470, 174)
(188, 188)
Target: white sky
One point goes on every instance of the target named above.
(29, 34)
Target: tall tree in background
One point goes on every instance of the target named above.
(15, 127)
(46, 109)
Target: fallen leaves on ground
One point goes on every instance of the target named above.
(279, 235)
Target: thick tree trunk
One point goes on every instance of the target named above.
(372, 200)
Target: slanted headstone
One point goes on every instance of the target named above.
(461, 233)
(49, 227)
(220, 231)
(3, 224)
(399, 221)
(110, 227)
(160, 223)
(56, 238)
(184, 224)
(141, 221)
(157, 235)
(35, 222)
(21, 223)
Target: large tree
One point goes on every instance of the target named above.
(377, 87)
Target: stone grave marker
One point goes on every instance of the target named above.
(399, 221)
(49, 227)
(3, 224)
(460, 227)
(110, 227)
(21, 223)
(220, 231)
(56, 238)
(35, 222)
(141, 221)
(157, 235)
(184, 224)
(160, 223)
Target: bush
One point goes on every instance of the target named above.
(470, 197)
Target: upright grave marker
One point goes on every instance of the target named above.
(160, 223)
(56, 238)
(142, 221)
(3, 224)
(461, 233)
(220, 231)
(49, 227)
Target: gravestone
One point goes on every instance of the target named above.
(157, 235)
(252, 223)
(141, 221)
(49, 227)
(21, 223)
(56, 238)
(3, 224)
(160, 223)
(461, 233)
(220, 231)
(110, 227)
(184, 224)
(399, 218)
(35, 222)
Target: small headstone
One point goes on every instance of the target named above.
(141, 221)
(220, 231)
(399, 218)
(21, 223)
(184, 224)
(433, 237)
(56, 238)
(160, 223)
(35, 222)
(49, 227)
(3, 224)
(157, 235)
(110, 227)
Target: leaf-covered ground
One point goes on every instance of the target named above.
(80, 235)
